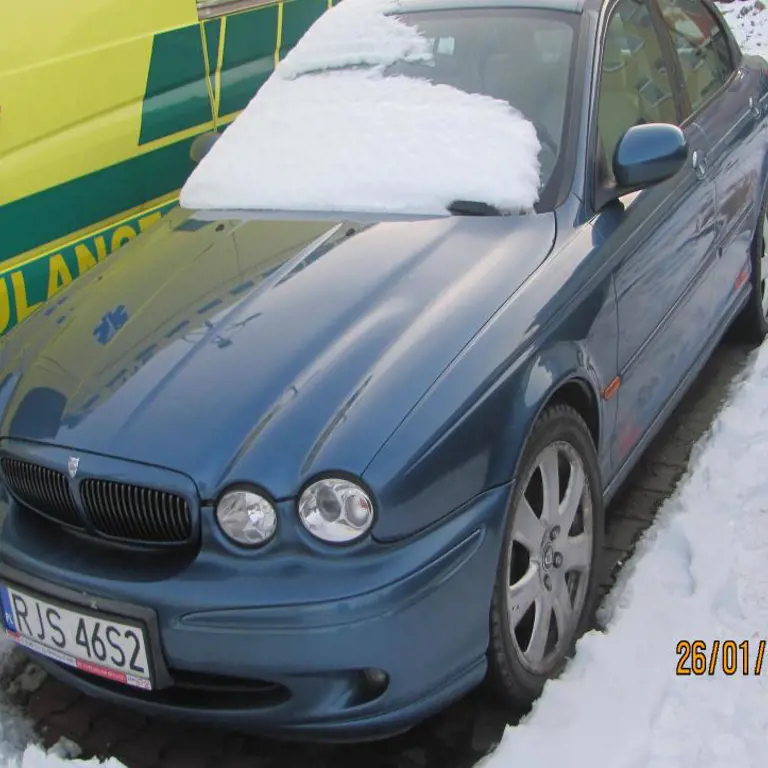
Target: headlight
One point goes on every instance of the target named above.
(246, 518)
(336, 510)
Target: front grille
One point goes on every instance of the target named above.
(130, 513)
(44, 490)
(134, 513)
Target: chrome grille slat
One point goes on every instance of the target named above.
(22, 478)
(91, 496)
(143, 513)
(158, 503)
(173, 513)
(146, 504)
(53, 489)
(153, 504)
(179, 510)
(168, 513)
(38, 487)
(129, 499)
(44, 490)
(126, 508)
(119, 515)
(151, 513)
(110, 524)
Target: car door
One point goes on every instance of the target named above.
(661, 237)
(723, 99)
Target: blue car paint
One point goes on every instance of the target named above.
(648, 153)
(314, 385)
(475, 324)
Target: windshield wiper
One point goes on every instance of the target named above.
(473, 208)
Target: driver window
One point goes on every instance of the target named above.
(634, 83)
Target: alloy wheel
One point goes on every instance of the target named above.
(551, 555)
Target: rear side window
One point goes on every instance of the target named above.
(702, 48)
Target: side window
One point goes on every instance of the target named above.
(634, 83)
(705, 58)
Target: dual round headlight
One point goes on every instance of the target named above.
(246, 518)
(333, 510)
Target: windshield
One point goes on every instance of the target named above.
(520, 56)
(382, 111)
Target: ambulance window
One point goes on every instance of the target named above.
(210, 9)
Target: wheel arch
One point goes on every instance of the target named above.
(577, 393)
(573, 383)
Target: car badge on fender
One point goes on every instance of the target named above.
(72, 466)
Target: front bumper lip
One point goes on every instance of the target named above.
(348, 730)
(427, 629)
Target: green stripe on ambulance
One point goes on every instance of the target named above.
(27, 287)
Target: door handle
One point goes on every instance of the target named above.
(699, 163)
(754, 108)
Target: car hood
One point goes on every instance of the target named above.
(260, 350)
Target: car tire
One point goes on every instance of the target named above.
(751, 326)
(542, 565)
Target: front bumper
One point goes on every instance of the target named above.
(417, 609)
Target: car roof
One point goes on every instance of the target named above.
(575, 6)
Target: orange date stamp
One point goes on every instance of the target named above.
(699, 658)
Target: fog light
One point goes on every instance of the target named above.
(371, 684)
(376, 678)
(246, 518)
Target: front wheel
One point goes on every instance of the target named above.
(546, 582)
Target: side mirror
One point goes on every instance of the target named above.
(648, 154)
(201, 146)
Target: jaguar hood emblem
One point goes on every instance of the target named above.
(72, 466)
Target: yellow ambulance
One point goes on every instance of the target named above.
(100, 101)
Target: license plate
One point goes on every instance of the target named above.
(91, 643)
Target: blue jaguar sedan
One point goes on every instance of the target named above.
(322, 474)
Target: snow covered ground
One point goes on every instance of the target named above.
(17, 740)
(749, 22)
(699, 574)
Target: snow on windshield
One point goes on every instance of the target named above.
(356, 34)
(355, 140)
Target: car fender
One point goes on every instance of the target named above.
(465, 436)
(564, 365)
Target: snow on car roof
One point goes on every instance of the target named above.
(329, 131)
